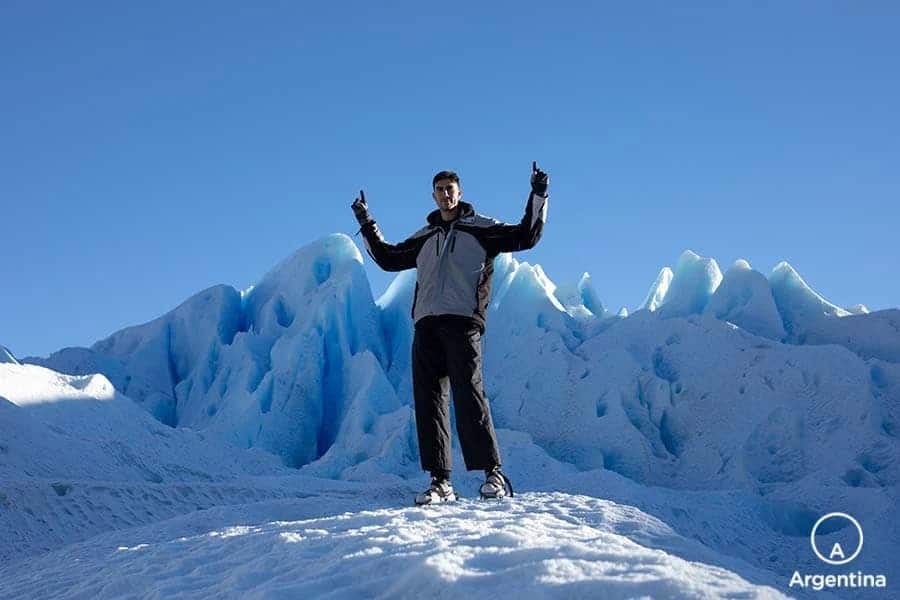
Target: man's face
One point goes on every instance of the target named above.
(446, 194)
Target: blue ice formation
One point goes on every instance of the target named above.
(658, 290)
(694, 281)
(797, 302)
(744, 298)
(267, 369)
(6, 356)
(307, 365)
(581, 300)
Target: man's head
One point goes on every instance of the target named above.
(446, 192)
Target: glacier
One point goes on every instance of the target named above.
(734, 407)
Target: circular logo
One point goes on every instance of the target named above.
(836, 549)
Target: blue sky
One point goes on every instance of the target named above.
(150, 150)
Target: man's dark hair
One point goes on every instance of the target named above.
(452, 176)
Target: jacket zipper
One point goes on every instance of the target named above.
(441, 260)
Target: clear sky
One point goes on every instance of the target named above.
(150, 150)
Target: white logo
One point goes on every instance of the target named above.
(837, 556)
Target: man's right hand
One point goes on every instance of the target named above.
(361, 209)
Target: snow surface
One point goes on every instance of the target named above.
(730, 412)
(102, 501)
(544, 545)
(77, 458)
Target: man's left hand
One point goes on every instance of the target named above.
(539, 180)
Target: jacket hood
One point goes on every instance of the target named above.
(465, 210)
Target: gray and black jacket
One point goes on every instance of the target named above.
(455, 260)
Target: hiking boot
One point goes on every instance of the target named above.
(496, 484)
(440, 490)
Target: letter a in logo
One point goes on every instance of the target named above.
(837, 551)
(837, 556)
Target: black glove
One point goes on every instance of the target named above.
(539, 180)
(361, 209)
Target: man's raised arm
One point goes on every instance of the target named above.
(390, 257)
(504, 237)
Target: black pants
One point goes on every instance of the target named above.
(446, 352)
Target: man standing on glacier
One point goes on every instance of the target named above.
(454, 257)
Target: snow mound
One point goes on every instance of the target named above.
(78, 458)
(539, 545)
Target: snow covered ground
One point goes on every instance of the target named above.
(177, 513)
(261, 443)
(539, 545)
